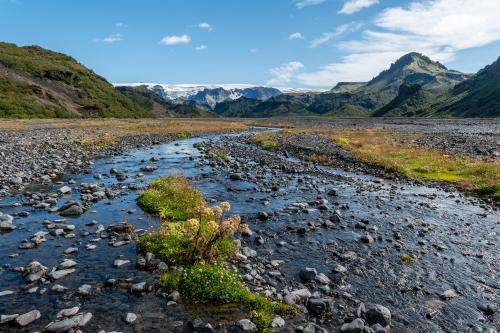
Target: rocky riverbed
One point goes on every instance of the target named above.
(355, 252)
(470, 137)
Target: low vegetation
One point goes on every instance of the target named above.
(396, 154)
(36, 82)
(200, 239)
(265, 140)
(217, 154)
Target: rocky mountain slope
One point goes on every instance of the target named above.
(207, 96)
(160, 107)
(35, 82)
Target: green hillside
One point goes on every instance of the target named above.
(35, 82)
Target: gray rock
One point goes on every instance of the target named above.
(378, 314)
(322, 278)
(313, 328)
(308, 274)
(448, 294)
(57, 274)
(58, 288)
(65, 190)
(67, 263)
(34, 271)
(69, 323)
(120, 262)
(139, 287)
(6, 293)
(488, 308)
(246, 325)
(68, 312)
(7, 318)
(84, 289)
(319, 306)
(248, 252)
(6, 226)
(71, 208)
(277, 322)
(377, 328)
(130, 318)
(355, 326)
(27, 318)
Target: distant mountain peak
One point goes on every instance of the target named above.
(416, 68)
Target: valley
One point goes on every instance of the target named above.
(374, 244)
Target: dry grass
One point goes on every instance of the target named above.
(121, 127)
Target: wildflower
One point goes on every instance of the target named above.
(192, 226)
(225, 206)
(244, 228)
(217, 211)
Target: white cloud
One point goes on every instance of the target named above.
(436, 28)
(353, 6)
(110, 39)
(304, 3)
(284, 73)
(200, 48)
(353, 67)
(326, 36)
(205, 25)
(174, 40)
(295, 35)
(121, 25)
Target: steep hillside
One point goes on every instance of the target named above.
(408, 102)
(478, 96)
(35, 82)
(156, 105)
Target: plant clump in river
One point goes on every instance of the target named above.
(200, 239)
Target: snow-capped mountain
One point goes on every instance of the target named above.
(208, 95)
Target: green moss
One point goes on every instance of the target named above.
(172, 197)
(408, 259)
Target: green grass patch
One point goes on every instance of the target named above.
(265, 141)
(217, 154)
(408, 259)
(216, 284)
(385, 150)
(183, 136)
(172, 198)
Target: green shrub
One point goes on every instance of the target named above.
(262, 319)
(172, 198)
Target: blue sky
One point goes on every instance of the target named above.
(293, 43)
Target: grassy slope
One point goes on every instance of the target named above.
(35, 82)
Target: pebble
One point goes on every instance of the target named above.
(27, 318)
